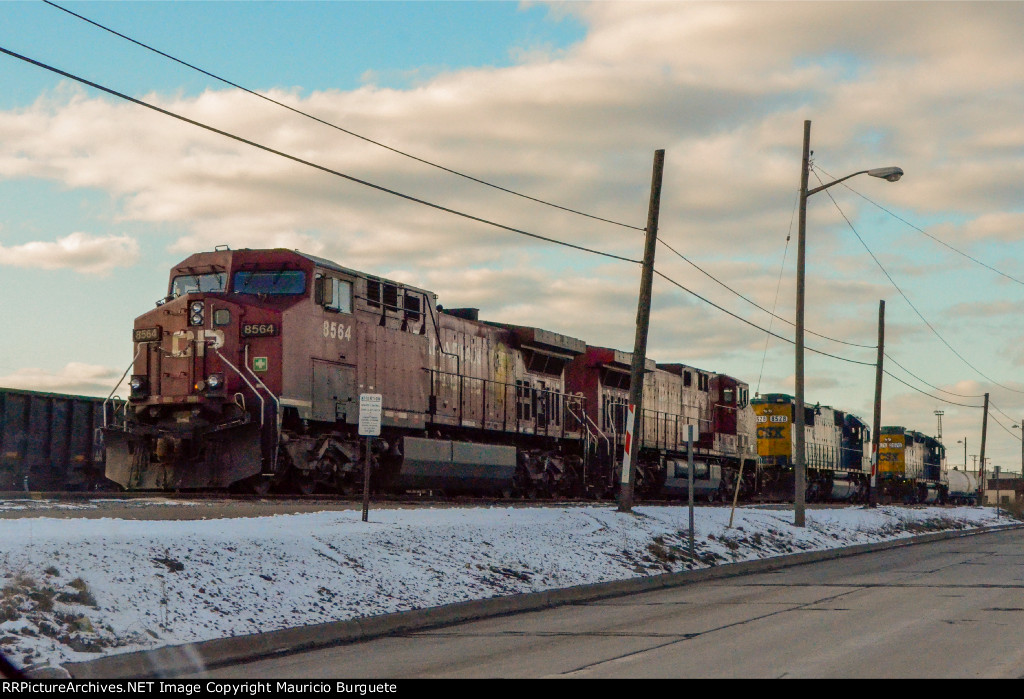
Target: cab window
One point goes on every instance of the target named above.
(279, 282)
(334, 294)
(341, 295)
(191, 283)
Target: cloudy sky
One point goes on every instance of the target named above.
(565, 103)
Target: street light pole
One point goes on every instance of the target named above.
(799, 457)
(799, 462)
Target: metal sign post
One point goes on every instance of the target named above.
(370, 409)
(689, 480)
(998, 513)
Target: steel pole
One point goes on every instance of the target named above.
(981, 458)
(689, 484)
(366, 479)
(799, 461)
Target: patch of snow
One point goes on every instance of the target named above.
(76, 588)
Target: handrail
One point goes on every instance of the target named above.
(277, 405)
(548, 393)
(586, 421)
(247, 383)
(138, 349)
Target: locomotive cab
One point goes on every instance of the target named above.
(206, 374)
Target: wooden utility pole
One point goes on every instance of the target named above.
(876, 422)
(643, 319)
(981, 458)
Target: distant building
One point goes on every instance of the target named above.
(1008, 490)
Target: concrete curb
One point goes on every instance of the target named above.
(172, 661)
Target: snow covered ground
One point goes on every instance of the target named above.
(72, 589)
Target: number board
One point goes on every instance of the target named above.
(146, 334)
(259, 329)
(370, 408)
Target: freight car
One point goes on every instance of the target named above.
(962, 487)
(837, 450)
(911, 466)
(51, 441)
(248, 373)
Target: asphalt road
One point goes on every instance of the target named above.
(945, 609)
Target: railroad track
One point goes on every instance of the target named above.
(406, 499)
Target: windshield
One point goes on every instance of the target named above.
(191, 283)
(278, 282)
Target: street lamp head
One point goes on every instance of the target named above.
(887, 173)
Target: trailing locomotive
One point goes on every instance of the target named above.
(837, 450)
(911, 466)
(248, 374)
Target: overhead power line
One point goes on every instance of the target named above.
(1005, 428)
(755, 303)
(755, 325)
(778, 288)
(993, 405)
(439, 207)
(929, 235)
(905, 297)
(942, 390)
(938, 398)
(335, 126)
(386, 190)
(322, 168)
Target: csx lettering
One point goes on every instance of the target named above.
(337, 331)
(769, 433)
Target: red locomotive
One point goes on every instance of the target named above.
(248, 375)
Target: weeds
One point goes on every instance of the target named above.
(1014, 509)
(23, 598)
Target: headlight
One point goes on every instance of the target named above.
(139, 385)
(195, 313)
(214, 381)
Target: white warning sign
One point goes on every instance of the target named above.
(371, 405)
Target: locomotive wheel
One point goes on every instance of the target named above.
(346, 483)
(256, 485)
(539, 489)
(302, 482)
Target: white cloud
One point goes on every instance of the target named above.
(78, 251)
(936, 88)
